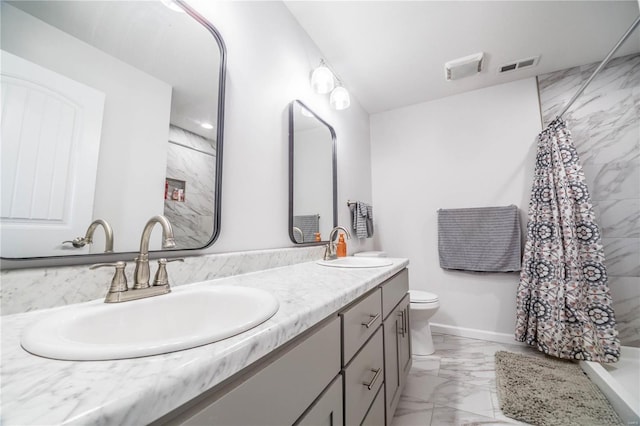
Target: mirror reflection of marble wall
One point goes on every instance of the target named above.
(191, 164)
(312, 142)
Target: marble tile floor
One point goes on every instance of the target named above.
(455, 385)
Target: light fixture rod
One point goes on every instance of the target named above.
(323, 62)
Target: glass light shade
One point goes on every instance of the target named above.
(322, 80)
(339, 98)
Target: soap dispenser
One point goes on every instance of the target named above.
(341, 250)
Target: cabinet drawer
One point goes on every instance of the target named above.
(393, 290)
(375, 416)
(363, 378)
(358, 323)
(280, 392)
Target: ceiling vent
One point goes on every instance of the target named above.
(463, 67)
(519, 64)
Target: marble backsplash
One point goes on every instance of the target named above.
(605, 124)
(24, 290)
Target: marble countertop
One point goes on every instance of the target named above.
(137, 391)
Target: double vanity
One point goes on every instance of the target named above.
(337, 351)
(314, 342)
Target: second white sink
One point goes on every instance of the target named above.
(356, 262)
(182, 319)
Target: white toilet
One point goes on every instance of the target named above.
(423, 305)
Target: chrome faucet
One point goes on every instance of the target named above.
(88, 237)
(119, 291)
(142, 274)
(330, 249)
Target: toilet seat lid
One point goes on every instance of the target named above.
(419, 296)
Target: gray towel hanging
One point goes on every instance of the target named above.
(485, 239)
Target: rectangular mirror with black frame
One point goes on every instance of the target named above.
(112, 111)
(312, 176)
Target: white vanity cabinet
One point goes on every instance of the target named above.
(348, 370)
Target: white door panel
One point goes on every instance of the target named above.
(51, 129)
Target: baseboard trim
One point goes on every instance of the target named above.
(473, 333)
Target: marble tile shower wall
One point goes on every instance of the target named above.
(192, 159)
(24, 290)
(605, 123)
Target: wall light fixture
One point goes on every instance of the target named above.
(323, 81)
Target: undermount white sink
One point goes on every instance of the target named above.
(182, 319)
(356, 262)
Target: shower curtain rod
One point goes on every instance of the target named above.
(602, 65)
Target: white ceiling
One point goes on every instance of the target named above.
(391, 54)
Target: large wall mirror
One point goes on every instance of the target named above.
(312, 176)
(111, 110)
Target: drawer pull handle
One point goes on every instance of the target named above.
(405, 317)
(374, 380)
(402, 330)
(373, 319)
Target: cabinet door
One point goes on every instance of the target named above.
(327, 409)
(392, 335)
(397, 354)
(280, 392)
(404, 342)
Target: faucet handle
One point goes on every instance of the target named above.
(329, 251)
(162, 278)
(78, 242)
(119, 280)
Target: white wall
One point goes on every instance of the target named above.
(313, 191)
(143, 106)
(269, 61)
(470, 150)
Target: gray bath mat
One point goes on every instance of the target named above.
(550, 392)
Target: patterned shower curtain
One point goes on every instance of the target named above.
(563, 300)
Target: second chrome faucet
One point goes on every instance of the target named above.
(330, 249)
